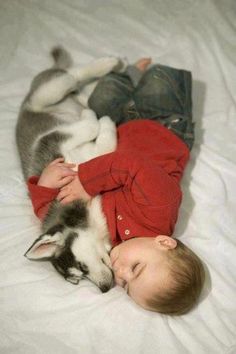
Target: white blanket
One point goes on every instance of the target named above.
(39, 311)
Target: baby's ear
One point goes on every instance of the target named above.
(165, 242)
(45, 247)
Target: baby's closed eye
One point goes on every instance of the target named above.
(138, 268)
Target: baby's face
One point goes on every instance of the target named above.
(140, 266)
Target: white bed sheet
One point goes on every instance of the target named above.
(39, 311)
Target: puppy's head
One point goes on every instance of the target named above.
(75, 254)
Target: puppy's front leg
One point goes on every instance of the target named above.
(107, 137)
(80, 132)
(96, 69)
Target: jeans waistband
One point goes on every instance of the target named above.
(175, 122)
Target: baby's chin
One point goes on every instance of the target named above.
(120, 283)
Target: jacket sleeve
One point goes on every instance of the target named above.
(147, 182)
(41, 197)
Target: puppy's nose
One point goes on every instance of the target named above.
(106, 285)
(104, 288)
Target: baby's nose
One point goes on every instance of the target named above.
(124, 273)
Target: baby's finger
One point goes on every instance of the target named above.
(68, 164)
(67, 200)
(68, 188)
(61, 195)
(67, 172)
(59, 159)
(65, 180)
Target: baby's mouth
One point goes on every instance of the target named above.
(120, 282)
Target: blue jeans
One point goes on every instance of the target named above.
(162, 94)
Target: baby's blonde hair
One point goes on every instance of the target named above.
(187, 277)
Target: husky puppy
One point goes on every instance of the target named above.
(52, 123)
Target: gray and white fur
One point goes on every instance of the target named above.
(54, 122)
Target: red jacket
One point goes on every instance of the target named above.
(139, 182)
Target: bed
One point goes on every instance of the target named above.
(39, 311)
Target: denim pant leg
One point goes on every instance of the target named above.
(111, 96)
(164, 94)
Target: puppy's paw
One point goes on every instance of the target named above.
(87, 114)
(106, 65)
(121, 65)
(107, 136)
(106, 123)
(91, 122)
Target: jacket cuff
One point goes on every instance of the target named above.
(35, 189)
(83, 174)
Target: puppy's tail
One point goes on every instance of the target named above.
(62, 59)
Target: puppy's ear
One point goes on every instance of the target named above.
(45, 247)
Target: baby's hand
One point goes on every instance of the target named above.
(57, 174)
(73, 191)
